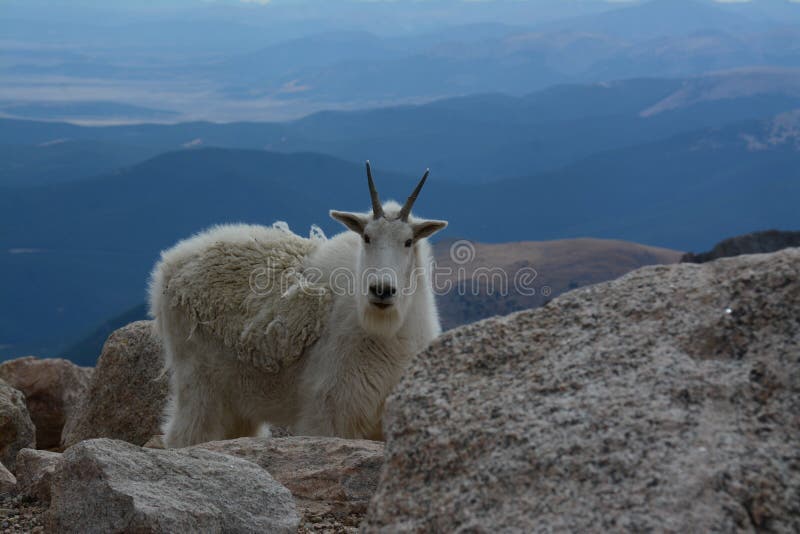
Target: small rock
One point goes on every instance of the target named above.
(127, 392)
(16, 428)
(327, 476)
(34, 473)
(52, 388)
(113, 486)
(156, 442)
(7, 480)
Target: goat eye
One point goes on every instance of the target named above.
(366, 238)
(408, 242)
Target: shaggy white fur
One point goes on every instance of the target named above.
(243, 285)
(257, 328)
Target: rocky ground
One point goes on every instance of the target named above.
(330, 524)
(667, 400)
(21, 514)
(24, 515)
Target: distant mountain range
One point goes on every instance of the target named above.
(659, 38)
(285, 61)
(471, 139)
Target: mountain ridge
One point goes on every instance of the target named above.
(472, 139)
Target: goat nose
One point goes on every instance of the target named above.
(382, 291)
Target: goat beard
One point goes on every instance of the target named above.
(382, 323)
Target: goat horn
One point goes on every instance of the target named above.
(406, 211)
(377, 209)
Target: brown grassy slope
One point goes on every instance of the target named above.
(555, 267)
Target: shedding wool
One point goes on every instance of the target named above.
(245, 285)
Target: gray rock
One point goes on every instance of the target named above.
(16, 428)
(34, 473)
(328, 477)
(105, 485)
(667, 400)
(127, 393)
(8, 482)
(52, 388)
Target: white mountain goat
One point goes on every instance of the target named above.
(260, 325)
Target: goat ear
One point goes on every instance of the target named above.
(424, 229)
(353, 221)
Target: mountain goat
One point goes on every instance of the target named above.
(260, 325)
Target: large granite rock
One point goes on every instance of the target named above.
(127, 393)
(16, 428)
(34, 473)
(105, 485)
(52, 388)
(330, 478)
(668, 400)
